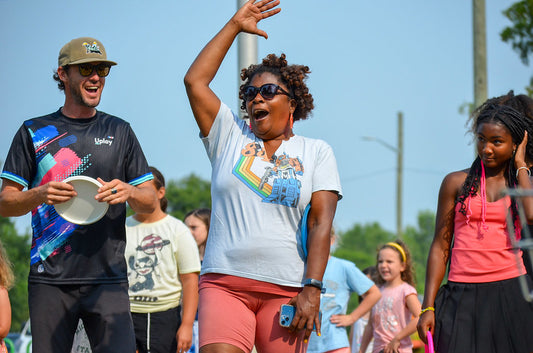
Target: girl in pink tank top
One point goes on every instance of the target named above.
(481, 308)
(393, 318)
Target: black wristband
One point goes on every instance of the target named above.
(313, 283)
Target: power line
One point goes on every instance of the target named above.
(368, 175)
(377, 172)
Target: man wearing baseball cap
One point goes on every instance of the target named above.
(77, 268)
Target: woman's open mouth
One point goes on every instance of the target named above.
(259, 114)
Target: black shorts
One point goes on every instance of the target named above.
(104, 308)
(156, 332)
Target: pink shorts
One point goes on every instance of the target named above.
(243, 312)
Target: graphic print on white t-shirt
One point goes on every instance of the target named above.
(279, 183)
(145, 262)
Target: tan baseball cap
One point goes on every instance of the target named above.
(83, 50)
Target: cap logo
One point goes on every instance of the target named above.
(92, 48)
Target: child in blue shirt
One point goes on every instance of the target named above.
(341, 279)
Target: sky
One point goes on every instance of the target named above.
(369, 61)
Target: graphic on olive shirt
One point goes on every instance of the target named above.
(285, 186)
(145, 262)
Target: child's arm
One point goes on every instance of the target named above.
(413, 304)
(367, 335)
(5, 313)
(439, 251)
(189, 282)
(370, 297)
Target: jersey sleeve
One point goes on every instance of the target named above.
(20, 164)
(137, 169)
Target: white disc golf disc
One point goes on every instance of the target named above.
(82, 209)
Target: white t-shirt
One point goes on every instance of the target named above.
(156, 254)
(257, 204)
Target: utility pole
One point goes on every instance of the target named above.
(399, 170)
(399, 176)
(480, 52)
(247, 48)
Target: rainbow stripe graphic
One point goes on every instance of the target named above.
(242, 170)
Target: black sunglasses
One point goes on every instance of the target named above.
(267, 91)
(101, 69)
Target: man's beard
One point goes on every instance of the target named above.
(78, 97)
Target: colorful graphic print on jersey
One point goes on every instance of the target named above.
(50, 230)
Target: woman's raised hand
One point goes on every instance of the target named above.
(247, 17)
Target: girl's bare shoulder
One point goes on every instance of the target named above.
(454, 181)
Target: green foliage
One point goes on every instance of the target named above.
(360, 243)
(187, 194)
(419, 240)
(18, 250)
(520, 33)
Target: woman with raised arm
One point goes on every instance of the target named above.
(263, 178)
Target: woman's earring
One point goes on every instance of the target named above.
(291, 122)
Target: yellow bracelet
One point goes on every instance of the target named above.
(429, 308)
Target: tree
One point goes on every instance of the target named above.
(520, 33)
(186, 194)
(18, 250)
(360, 243)
(419, 240)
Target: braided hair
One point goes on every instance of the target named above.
(293, 76)
(516, 123)
(519, 102)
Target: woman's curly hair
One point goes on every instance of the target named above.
(293, 76)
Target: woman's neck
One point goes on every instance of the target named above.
(272, 145)
(496, 172)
